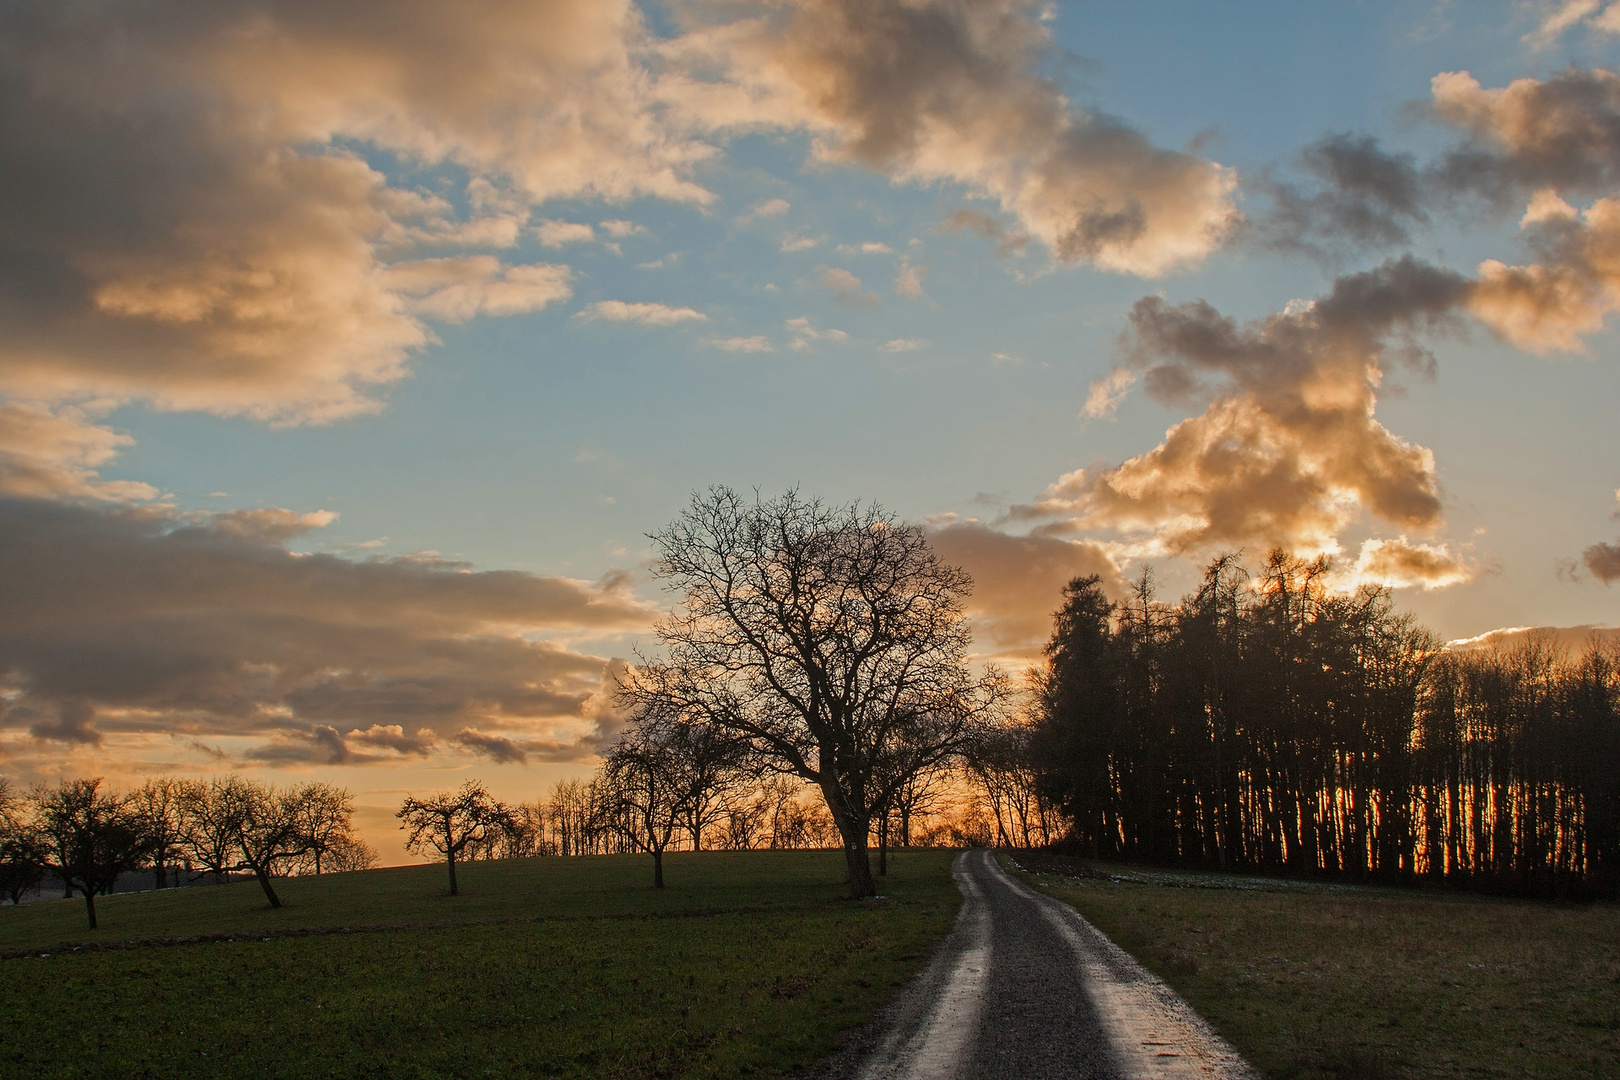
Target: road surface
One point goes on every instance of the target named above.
(1025, 989)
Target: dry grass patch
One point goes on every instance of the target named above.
(1338, 983)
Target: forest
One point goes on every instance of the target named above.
(1270, 723)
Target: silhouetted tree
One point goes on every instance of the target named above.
(268, 827)
(449, 821)
(821, 636)
(23, 850)
(157, 802)
(92, 837)
(326, 823)
(208, 826)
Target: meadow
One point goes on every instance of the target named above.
(747, 964)
(1334, 982)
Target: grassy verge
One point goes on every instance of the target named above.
(748, 963)
(1334, 982)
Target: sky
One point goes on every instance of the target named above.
(352, 351)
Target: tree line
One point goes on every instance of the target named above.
(87, 836)
(1270, 723)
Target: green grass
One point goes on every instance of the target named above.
(1362, 984)
(749, 963)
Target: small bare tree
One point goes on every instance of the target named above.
(267, 826)
(449, 821)
(23, 851)
(656, 778)
(157, 802)
(208, 827)
(92, 837)
(326, 820)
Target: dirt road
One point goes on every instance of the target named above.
(1025, 989)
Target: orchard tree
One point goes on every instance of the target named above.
(449, 821)
(208, 826)
(23, 852)
(267, 825)
(660, 776)
(829, 640)
(92, 837)
(157, 802)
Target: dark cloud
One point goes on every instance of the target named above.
(938, 90)
(211, 627)
(497, 748)
(1603, 562)
(1359, 197)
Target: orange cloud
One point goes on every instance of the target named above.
(1287, 452)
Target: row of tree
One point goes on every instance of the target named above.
(88, 837)
(1270, 723)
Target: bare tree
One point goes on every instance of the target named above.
(208, 827)
(23, 851)
(326, 821)
(659, 776)
(267, 824)
(158, 803)
(824, 637)
(449, 821)
(92, 837)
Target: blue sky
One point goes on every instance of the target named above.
(950, 382)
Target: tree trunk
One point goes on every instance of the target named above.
(450, 860)
(883, 845)
(658, 868)
(90, 905)
(161, 875)
(264, 883)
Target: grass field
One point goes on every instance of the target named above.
(749, 963)
(1320, 982)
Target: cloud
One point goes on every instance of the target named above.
(1363, 197)
(794, 242)
(845, 286)
(1287, 450)
(497, 748)
(769, 208)
(207, 627)
(643, 314)
(909, 281)
(54, 453)
(62, 721)
(393, 737)
(1548, 305)
(1105, 395)
(1562, 132)
(618, 228)
(930, 91)
(1018, 580)
(1603, 562)
(457, 289)
(867, 247)
(1575, 639)
(1400, 564)
(909, 344)
(562, 233)
(191, 219)
(804, 334)
(1558, 18)
(756, 344)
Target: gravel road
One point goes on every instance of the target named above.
(1025, 989)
